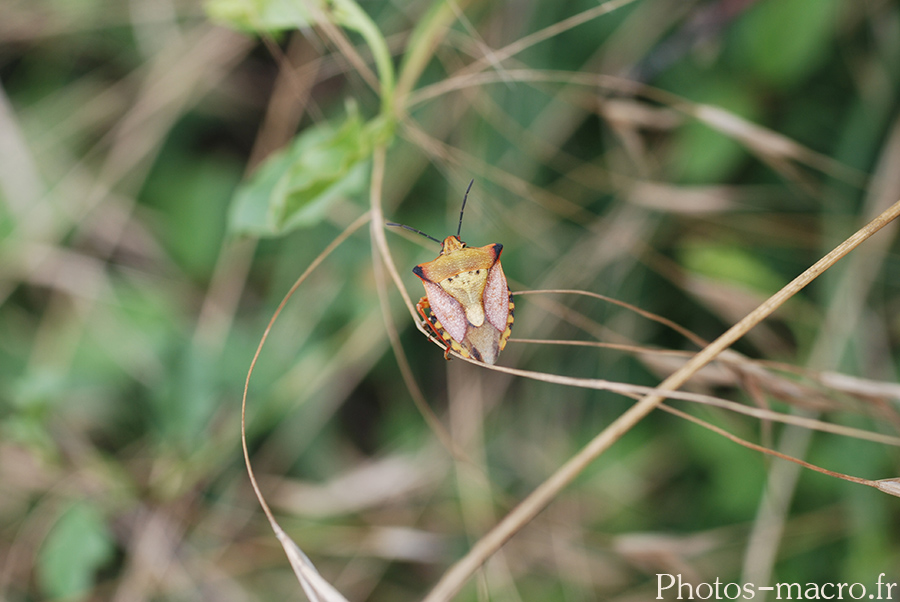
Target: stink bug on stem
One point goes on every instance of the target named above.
(468, 303)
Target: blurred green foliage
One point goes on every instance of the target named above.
(783, 43)
(78, 544)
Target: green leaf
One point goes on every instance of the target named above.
(78, 544)
(261, 16)
(782, 40)
(295, 187)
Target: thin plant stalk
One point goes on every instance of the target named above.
(303, 569)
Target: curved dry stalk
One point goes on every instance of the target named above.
(889, 486)
(305, 567)
(641, 312)
(766, 450)
(378, 238)
(459, 573)
(636, 349)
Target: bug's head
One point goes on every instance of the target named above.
(451, 244)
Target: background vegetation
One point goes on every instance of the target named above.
(687, 157)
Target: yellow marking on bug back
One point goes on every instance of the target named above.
(468, 289)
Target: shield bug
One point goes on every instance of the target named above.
(467, 302)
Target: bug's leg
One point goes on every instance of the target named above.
(424, 310)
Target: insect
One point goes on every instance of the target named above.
(467, 302)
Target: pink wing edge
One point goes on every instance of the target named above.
(496, 298)
(448, 310)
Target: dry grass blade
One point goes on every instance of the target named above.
(891, 486)
(769, 144)
(315, 587)
(460, 572)
(859, 386)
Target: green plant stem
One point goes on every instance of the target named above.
(349, 14)
(421, 45)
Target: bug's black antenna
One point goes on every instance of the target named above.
(395, 224)
(459, 229)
